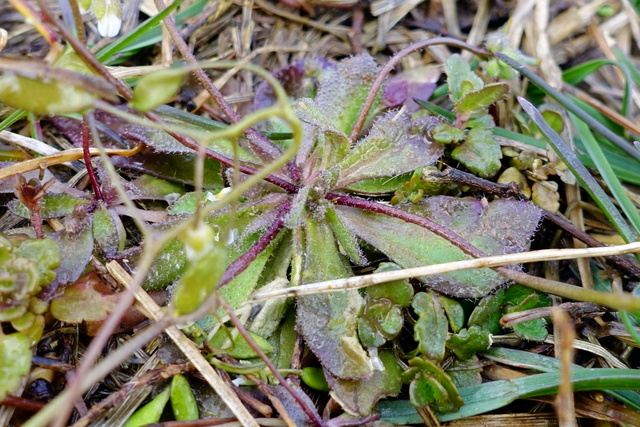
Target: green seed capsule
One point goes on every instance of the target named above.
(314, 378)
(151, 412)
(156, 88)
(200, 280)
(183, 401)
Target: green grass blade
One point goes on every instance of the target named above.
(538, 362)
(12, 118)
(624, 59)
(625, 168)
(570, 106)
(493, 395)
(577, 74)
(607, 173)
(123, 42)
(582, 174)
(147, 33)
(436, 110)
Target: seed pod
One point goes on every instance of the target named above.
(151, 412)
(200, 280)
(156, 88)
(183, 402)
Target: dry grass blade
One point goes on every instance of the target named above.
(564, 349)
(493, 261)
(61, 157)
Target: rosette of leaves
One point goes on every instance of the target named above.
(26, 266)
(309, 222)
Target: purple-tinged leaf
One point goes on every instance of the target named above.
(162, 142)
(295, 412)
(412, 84)
(328, 322)
(76, 247)
(390, 149)
(299, 80)
(500, 227)
(172, 167)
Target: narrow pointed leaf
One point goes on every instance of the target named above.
(582, 174)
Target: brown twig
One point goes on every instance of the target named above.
(564, 349)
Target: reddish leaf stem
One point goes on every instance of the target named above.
(243, 261)
(86, 142)
(22, 403)
(390, 65)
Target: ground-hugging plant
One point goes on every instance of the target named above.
(314, 226)
(318, 217)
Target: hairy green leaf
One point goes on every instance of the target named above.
(480, 153)
(328, 321)
(391, 148)
(503, 226)
(480, 99)
(460, 77)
